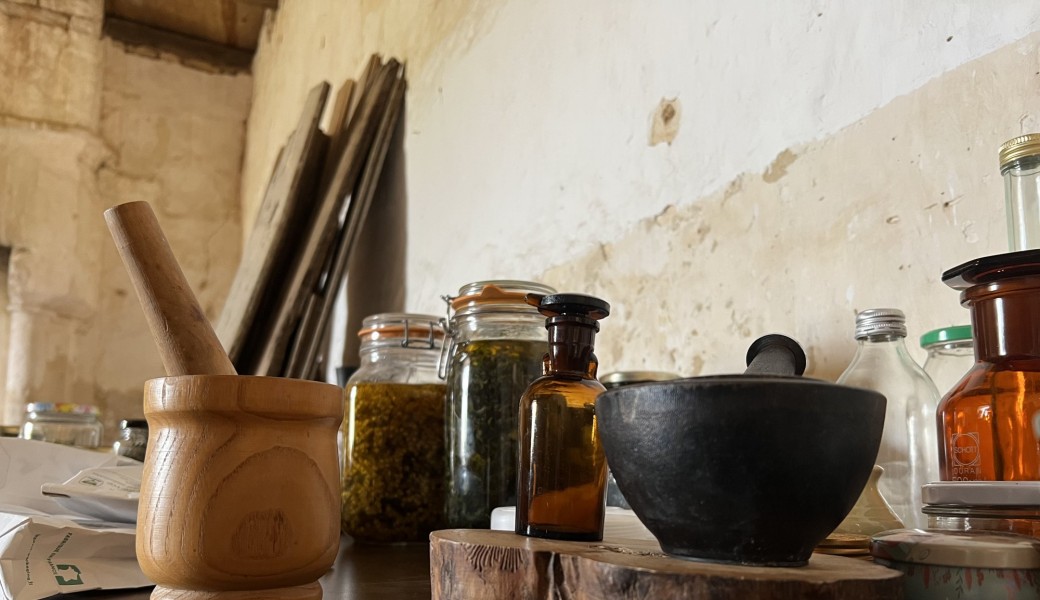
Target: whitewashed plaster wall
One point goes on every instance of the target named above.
(85, 124)
(820, 157)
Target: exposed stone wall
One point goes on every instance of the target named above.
(85, 125)
(50, 70)
(177, 136)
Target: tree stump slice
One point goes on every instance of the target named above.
(480, 564)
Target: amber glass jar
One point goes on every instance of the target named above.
(563, 468)
(990, 420)
(495, 349)
(393, 432)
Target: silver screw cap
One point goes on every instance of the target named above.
(880, 321)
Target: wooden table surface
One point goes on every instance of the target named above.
(361, 572)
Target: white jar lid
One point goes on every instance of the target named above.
(975, 549)
(982, 493)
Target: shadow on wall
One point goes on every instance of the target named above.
(376, 271)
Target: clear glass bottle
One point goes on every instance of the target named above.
(495, 349)
(63, 423)
(393, 432)
(990, 421)
(563, 469)
(951, 354)
(1020, 166)
(908, 452)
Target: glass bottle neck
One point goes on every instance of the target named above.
(877, 345)
(881, 340)
(571, 351)
(1022, 197)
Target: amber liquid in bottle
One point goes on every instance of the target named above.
(990, 421)
(563, 469)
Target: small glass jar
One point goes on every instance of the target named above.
(62, 423)
(393, 432)
(133, 439)
(615, 380)
(497, 344)
(1011, 519)
(951, 354)
(1003, 506)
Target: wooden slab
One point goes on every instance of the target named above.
(287, 206)
(307, 345)
(479, 564)
(303, 275)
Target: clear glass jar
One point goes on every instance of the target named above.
(951, 354)
(133, 439)
(909, 446)
(393, 432)
(497, 344)
(62, 423)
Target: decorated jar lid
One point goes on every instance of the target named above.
(975, 549)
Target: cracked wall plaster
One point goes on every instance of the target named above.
(868, 217)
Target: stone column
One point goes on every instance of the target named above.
(50, 61)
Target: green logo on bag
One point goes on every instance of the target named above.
(62, 570)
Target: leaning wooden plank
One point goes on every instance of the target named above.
(307, 265)
(338, 121)
(286, 202)
(372, 69)
(302, 362)
(343, 112)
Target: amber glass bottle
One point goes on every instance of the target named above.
(562, 469)
(990, 420)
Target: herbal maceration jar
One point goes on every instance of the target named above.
(393, 432)
(497, 344)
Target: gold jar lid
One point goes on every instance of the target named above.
(620, 378)
(1019, 147)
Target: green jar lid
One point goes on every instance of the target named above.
(946, 335)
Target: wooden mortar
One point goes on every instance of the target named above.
(240, 492)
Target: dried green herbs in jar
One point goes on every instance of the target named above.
(496, 351)
(393, 432)
(393, 462)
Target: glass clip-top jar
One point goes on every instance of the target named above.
(495, 350)
(62, 423)
(393, 432)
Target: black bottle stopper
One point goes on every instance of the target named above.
(572, 307)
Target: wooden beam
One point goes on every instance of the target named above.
(191, 52)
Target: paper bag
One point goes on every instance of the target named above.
(43, 556)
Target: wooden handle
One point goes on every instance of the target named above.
(184, 336)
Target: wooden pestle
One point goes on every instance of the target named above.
(183, 334)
